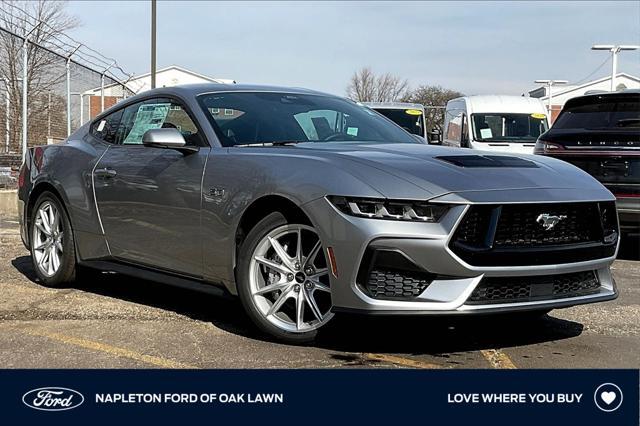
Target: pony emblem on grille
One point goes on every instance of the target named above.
(548, 221)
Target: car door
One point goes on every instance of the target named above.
(149, 199)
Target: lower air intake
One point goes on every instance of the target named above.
(527, 289)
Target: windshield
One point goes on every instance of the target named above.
(411, 120)
(506, 127)
(241, 118)
(614, 114)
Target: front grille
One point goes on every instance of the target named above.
(526, 289)
(519, 234)
(391, 284)
(519, 225)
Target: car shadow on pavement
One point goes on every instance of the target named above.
(629, 247)
(348, 333)
(443, 335)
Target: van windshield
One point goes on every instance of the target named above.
(508, 127)
(412, 120)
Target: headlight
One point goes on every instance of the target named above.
(374, 208)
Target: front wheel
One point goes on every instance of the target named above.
(283, 279)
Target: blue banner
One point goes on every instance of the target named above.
(310, 397)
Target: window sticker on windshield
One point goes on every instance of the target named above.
(101, 125)
(352, 131)
(486, 133)
(413, 112)
(538, 115)
(149, 116)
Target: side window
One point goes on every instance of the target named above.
(156, 114)
(454, 127)
(107, 127)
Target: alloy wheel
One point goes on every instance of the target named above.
(289, 279)
(47, 239)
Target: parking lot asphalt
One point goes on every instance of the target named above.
(113, 321)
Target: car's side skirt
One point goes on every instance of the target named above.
(151, 274)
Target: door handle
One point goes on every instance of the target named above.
(106, 173)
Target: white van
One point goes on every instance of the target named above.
(409, 116)
(495, 123)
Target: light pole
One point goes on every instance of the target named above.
(550, 84)
(153, 44)
(614, 57)
(6, 113)
(69, 89)
(25, 86)
(81, 95)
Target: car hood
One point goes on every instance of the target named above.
(423, 166)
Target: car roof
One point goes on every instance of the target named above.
(501, 103)
(594, 97)
(202, 88)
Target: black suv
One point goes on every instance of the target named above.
(600, 133)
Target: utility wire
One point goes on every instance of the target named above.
(577, 83)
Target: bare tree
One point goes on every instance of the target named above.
(365, 86)
(44, 21)
(434, 98)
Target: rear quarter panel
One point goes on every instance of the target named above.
(67, 167)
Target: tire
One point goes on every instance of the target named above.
(268, 286)
(52, 244)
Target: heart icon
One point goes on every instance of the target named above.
(608, 397)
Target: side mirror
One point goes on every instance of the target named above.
(435, 137)
(167, 138)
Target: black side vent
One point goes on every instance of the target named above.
(388, 274)
(487, 161)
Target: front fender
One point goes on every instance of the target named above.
(235, 178)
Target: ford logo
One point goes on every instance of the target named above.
(52, 399)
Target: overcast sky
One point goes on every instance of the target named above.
(476, 48)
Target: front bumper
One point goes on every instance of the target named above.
(427, 246)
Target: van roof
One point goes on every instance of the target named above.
(392, 105)
(502, 103)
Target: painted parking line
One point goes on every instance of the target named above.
(498, 359)
(398, 360)
(108, 349)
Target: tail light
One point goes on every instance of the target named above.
(545, 147)
(21, 176)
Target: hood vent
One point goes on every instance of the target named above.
(487, 161)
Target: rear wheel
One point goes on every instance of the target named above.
(52, 244)
(283, 279)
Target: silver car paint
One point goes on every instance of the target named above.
(189, 209)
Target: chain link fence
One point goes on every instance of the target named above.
(62, 93)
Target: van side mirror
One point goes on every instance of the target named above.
(167, 138)
(435, 137)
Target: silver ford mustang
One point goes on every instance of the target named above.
(305, 204)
